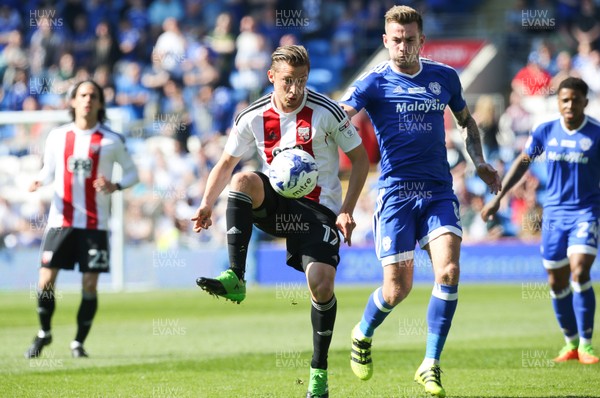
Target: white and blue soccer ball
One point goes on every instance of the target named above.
(293, 173)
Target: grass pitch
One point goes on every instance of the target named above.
(189, 344)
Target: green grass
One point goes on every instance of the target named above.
(188, 344)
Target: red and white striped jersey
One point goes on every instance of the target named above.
(319, 125)
(73, 159)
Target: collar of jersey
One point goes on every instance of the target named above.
(89, 131)
(406, 74)
(295, 111)
(572, 132)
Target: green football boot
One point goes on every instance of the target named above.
(317, 386)
(360, 356)
(431, 379)
(226, 285)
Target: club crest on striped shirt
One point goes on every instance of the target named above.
(304, 133)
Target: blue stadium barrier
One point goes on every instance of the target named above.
(148, 268)
(504, 261)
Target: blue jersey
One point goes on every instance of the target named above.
(572, 162)
(407, 112)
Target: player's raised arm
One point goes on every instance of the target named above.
(217, 181)
(512, 177)
(472, 139)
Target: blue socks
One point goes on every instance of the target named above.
(442, 305)
(375, 312)
(575, 311)
(584, 307)
(563, 309)
(440, 312)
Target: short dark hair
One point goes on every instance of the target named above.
(404, 15)
(574, 83)
(73, 92)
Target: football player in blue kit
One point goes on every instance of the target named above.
(569, 246)
(405, 97)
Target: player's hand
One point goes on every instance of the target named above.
(34, 186)
(101, 184)
(346, 225)
(490, 210)
(490, 176)
(202, 218)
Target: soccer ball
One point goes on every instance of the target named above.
(293, 173)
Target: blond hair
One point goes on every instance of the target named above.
(404, 15)
(294, 55)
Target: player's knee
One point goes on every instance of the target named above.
(322, 292)
(246, 182)
(396, 293)
(450, 274)
(580, 274)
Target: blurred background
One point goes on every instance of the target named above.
(176, 72)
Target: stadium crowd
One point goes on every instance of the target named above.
(181, 69)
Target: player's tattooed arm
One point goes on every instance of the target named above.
(470, 133)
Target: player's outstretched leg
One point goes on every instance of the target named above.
(376, 310)
(226, 285)
(360, 356)
(442, 306)
(230, 284)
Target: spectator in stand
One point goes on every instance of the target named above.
(170, 48)
(160, 10)
(103, 77)
(69, 10)
(46, 45)
(587, 26)
(564, 64)
(97, 11)
(12, 57)
(252, 59)
(129, 39)
(590, 73)
(106, 50)
(582, 58)
(82, 41)
(137, 14)
(514, 124)
(131, 94)
(221, 41)
(16, 92)
(532, 79)
(10, 20)
(199, 70)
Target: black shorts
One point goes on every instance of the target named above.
(308, 227)
(63, 247)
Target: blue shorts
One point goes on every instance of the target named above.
(568, 233)
(413, 212)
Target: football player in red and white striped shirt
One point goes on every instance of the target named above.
(291, 116)
(78, 161)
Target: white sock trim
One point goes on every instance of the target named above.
(580, 288)
(75, 344)
(437, 292)
(378, 303)
(41, 334)
(562, 294)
